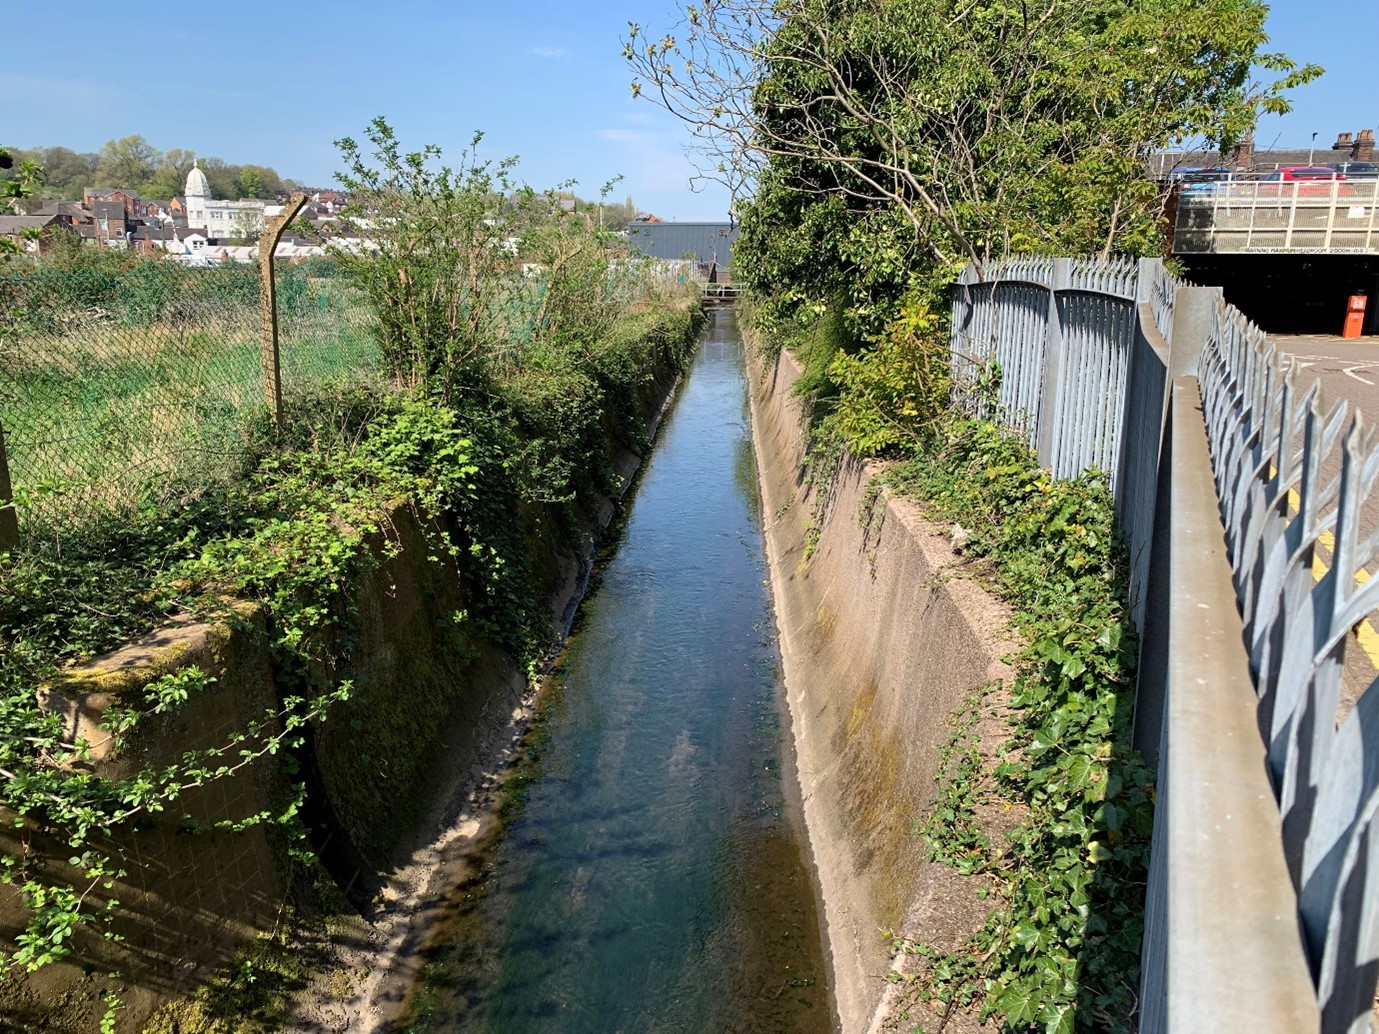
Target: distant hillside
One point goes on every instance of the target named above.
(133, 162)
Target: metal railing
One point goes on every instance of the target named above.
(1274, 216)
(1261, 914)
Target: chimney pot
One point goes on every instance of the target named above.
(1342, 143)
(1363, 150)
(1242, 154)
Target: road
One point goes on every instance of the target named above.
(1348, 370)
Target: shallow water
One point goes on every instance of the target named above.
(650, 873)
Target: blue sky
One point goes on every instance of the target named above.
(543, 79)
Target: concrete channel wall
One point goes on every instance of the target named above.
(879, 649)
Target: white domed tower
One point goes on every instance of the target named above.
(198, 193)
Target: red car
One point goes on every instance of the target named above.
(1311, 180)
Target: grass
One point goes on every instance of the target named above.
(103, 418)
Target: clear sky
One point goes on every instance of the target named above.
(276, 83)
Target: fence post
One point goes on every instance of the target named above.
(1059, 280)
(268, 301)
(9, 521)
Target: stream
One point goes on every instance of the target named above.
(650, 871)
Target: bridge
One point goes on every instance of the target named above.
(1249, 214)
(1242, 496)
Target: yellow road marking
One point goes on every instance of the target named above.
(1365, 634)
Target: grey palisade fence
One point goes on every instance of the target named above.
(1240, 494)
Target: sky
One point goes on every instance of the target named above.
(275, 84)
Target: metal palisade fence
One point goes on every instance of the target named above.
(128, 389)
(1240, 493)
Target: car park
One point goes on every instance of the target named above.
(1304, 181)
(1357, 170)
(1199, 182)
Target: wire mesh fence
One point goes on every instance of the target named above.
(120, 391)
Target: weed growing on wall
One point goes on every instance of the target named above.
(1061, 952)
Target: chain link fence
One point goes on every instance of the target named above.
(125, 390)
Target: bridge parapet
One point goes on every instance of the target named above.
(1262, 902)
(1254, 216)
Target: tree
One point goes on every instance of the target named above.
(127, 162)
(248, 227)
(221, 177)
(17, 180)
(958, 129)
(171, 178)
(250, 182)
(66, 172)
(437, 268)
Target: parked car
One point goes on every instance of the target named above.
(1357, 170)
(1310, 180)
(1199, 182)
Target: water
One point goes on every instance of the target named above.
(650, 874)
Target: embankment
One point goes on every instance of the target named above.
(392, 779)
(881, 643)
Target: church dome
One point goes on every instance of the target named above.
(197, 184)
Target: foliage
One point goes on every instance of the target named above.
(439, 275)
(126, 162)
(133, 163)
(295, 533)
(894, 393)
(20, 181)
(870, 143)
(472, 277)
(16, 183)
(952, 832)
(1061, 952)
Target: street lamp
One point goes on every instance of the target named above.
(1312, 150)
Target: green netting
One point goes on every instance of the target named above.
(120, 391)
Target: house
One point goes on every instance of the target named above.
(124, 196)
(112, 220)
(33, 233)
(68, 213)
(1244, 157)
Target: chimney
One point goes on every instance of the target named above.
(1242, 154)
(1342, 143)
(1363, 151)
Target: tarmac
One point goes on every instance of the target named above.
(1348, 369)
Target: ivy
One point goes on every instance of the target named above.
(1061, 951)
(295, 534)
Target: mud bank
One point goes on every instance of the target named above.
(880, 645)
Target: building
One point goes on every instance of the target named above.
(710, 243)
(32, 233)
(1243, 157)
(128, 199)
(220, 219)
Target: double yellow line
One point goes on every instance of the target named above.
(1365, 634)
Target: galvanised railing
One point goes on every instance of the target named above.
(1240, 494)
